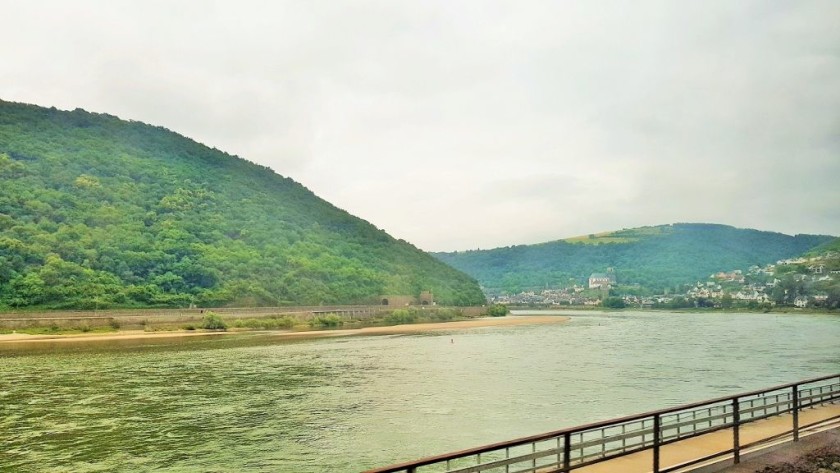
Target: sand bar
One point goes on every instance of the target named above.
(387, 330)
(427, 327)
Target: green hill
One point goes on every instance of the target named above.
(653, 257)
(829, 247)
(100, 212)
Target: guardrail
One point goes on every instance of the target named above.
(174, 311)
(569, 449)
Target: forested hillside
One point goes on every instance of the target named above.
(100, 212)
(831, 246)
(653, 257)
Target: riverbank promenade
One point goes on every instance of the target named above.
(701, 437)
(685, 451)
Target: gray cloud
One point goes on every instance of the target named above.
(466, 124)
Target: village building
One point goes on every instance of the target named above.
(602, 280)
(426, 298)
(817, 268)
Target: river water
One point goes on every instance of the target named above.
(252, 402)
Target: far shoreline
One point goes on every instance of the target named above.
(510, 320)
(681, 310)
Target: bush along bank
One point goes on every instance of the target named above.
(220, 321)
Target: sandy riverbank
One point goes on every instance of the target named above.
(392, 329)
(417, 328)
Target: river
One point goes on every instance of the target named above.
(252, 402)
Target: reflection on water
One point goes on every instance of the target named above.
(256, 403)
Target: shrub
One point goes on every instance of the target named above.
(444, 314)
(284, 322)
(268, 323)
(401, 316)
(498, 310)
(329, 320)
(614, 303)
(212, 321)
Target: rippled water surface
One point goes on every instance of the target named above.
(255, 403)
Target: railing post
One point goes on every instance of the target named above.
(736, 439)
(567, 451)
(656, 439)
(533, 450)
(795, 413)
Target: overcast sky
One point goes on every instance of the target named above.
(474, 124)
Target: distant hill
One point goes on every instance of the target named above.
(654, 257)
(831, 246)
(100, 212)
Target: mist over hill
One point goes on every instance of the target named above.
(101, 212)
(652, 257)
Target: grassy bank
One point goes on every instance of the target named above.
(211, 321)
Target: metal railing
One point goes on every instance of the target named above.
(569, 449)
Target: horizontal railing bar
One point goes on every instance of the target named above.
(673, 417)
(699, 420)
(834, 389)
(823, 401)
(612, 423)
(715, 428)
(690, 422)
(582, 463)
(666, 423)
(765, 407)
(579, 461)
(555, 450)
(508, 461)
(765, 416)
(617, 438)
(803, 386)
